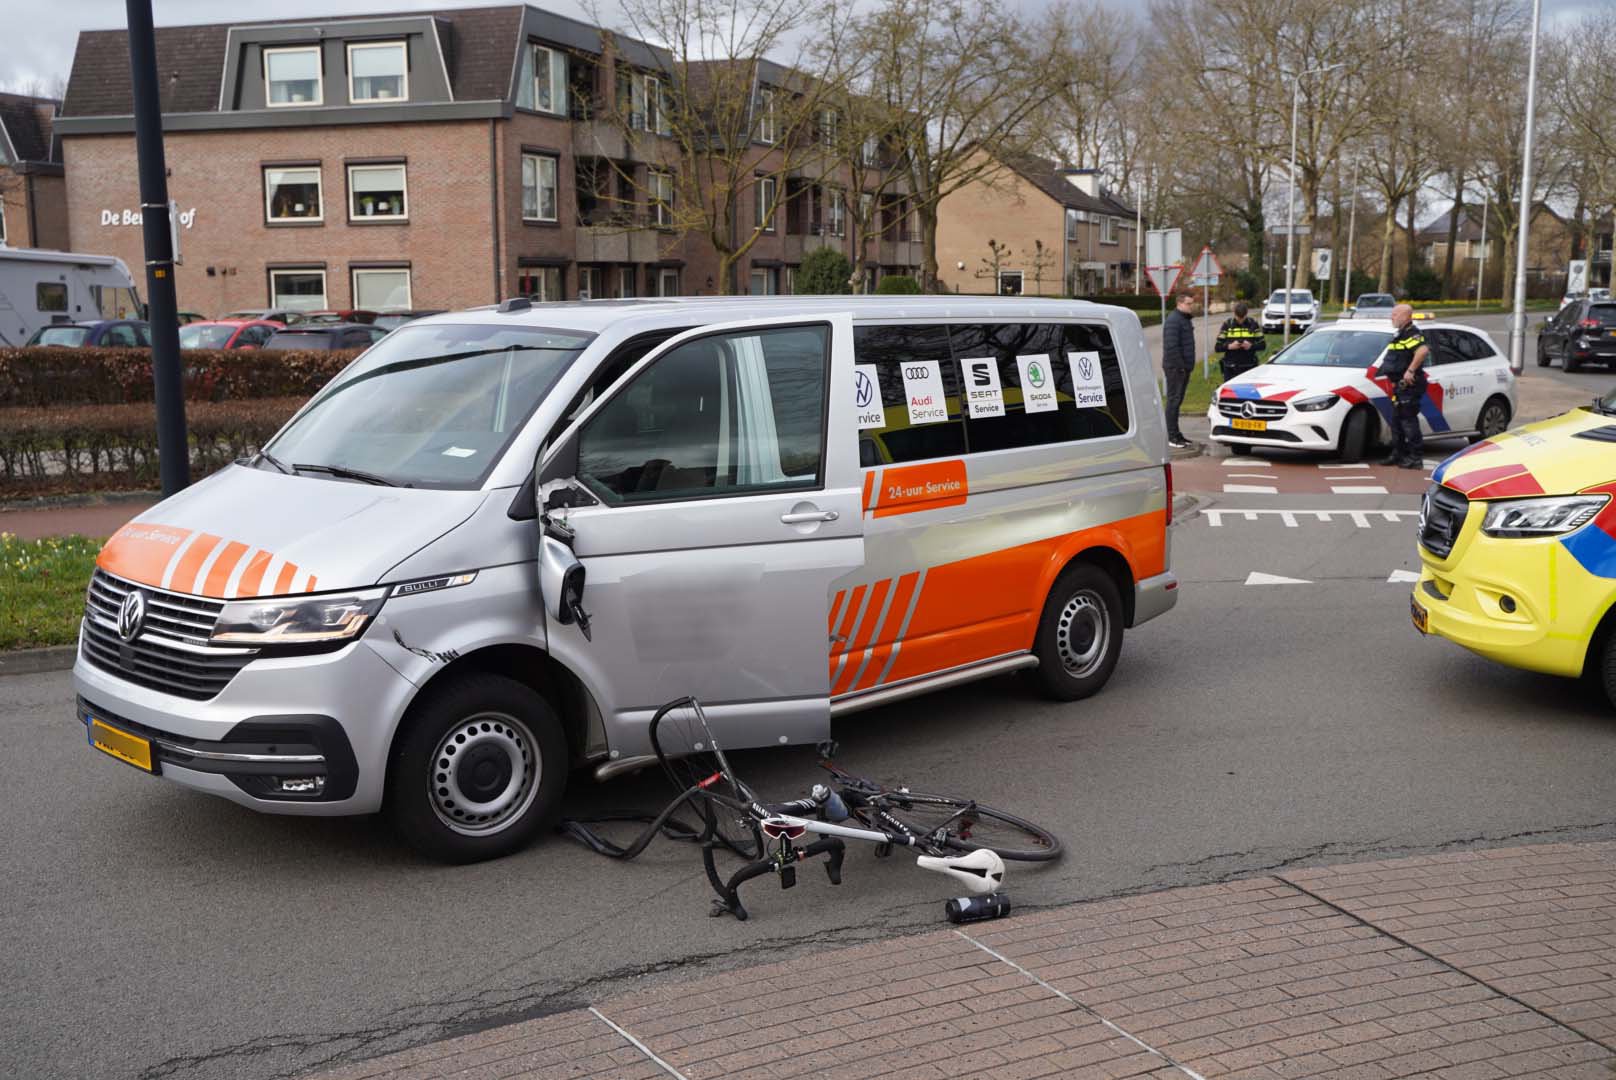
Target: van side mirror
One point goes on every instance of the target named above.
(561, 584)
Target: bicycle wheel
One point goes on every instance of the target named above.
(697, 768)
(954, 824)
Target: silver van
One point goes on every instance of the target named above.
(490, 548)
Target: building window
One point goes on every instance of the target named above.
(870, 153)
(2, 221)
(790, 285)
(830, 122)
(765, 281)
(1009, 282)
(539, 283)
(1071, 224)
(292, 76)
(662, 199)
(625, 282)
(538, 187)
(837, 225)
(376, 192)
(549, 80)
(292, 194)
(375, 290)
(588, 282)
(667, 283)
(764, 215)
(297, 290)
(1108, 230)
(768, 122)
(866, 214)
(658, 106)
(378, 72)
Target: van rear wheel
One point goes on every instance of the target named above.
(479, 770)
(1080, 634)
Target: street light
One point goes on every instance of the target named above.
(1517, 324)
(1290, 225)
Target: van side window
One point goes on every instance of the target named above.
(50, 296)
(727, 414)
(1098, 421)
(909, 358)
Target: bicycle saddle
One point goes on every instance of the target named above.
(981, 872)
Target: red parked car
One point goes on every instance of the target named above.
(228, 333)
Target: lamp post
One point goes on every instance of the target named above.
(1290, 199)
(1481, 265)
(1352, 233)
(1517, 322)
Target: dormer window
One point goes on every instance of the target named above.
(549, 80)
(378, 71)
(292, 77)
(768, 121)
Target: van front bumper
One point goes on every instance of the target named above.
(328, 717)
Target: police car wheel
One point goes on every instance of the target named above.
(1357, 435)
(1080, 634)
(477, 770)
(1494, 419)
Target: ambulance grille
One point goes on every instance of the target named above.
(1442, 515)
(171, 653)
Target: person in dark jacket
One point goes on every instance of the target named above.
(1403, 368)
(1241, 341)
(1178, 360)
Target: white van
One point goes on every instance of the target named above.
(38, 288)
(792, 508)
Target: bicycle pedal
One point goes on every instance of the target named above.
(788, 876)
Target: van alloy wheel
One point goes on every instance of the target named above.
(484, 774)
(1083, 633)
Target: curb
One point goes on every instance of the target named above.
(74, 502)
(35, 661)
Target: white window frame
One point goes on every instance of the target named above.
(658, 103)
(830, 123)
(764, 217)
(1108, 230)
(662, 282)
(404, 73)
(319, 189)
(409, 281)
(767, 120)
(557, 87)
(628, 285)
(1021, 282)
(661, 198)
(404, 187)
(319, 78)
(588, 276)
(788, 282)
(325, 286)
(836, 213)
(1072, 221)
(870, 152)
(555, 166)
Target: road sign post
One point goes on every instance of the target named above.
(1164, 258)
(1206, 273)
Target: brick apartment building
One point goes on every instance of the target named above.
(1087, 236)
(33, 193)
(432, 159)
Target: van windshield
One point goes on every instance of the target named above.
(429, 405)
(1336, 348)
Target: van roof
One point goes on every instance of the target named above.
(598, 315)
(11, 254)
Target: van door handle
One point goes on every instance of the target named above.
(802, 517)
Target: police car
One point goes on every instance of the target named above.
(1325, 392)
(1304, 311)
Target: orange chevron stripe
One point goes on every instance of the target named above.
(140, 552)
(233, 553)
(867, 630)
(312, 580)
(845, 631)
(887, 637)
(185, 573)
(283, 583)
(253, 577)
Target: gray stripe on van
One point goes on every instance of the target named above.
(914, 602)
(858, 617)
(886, 606)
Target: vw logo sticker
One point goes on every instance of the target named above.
(1085, 368)
(865, 389)
(132, 615)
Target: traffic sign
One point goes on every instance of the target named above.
(1207, 271)
(1285, 230)
(1164, 247)
(1322, 259)
(1163, 278)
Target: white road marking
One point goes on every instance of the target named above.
(1249, 489)
(1358, 489)
(1237, 462)
(1343, 466)
(1401, 576)
(1258, 578)
(1254, 475)
(1360, 518)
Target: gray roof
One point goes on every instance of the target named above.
(27, 123)
(1050, 178)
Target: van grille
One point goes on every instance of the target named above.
(1442, 515)
(171, 654)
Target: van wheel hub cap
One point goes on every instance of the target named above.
(1082, 633)
(484, 774)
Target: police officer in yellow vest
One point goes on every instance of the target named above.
(1240, 340)
(1404, 368)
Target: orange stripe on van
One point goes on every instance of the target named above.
(252, 578)
(283, 583)
(887, 636)
(866, 632)
(185, 573)
(913, 488)
(845, 631)
(140, 552)
(871, 482)
(835, 610)
(312, 580)
(223, 566)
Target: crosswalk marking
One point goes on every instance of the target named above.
(1357, 489)
(1343, 466)
(1292, 519)
(1250, 489)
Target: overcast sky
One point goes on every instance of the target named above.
(37, 43)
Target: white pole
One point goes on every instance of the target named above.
(1352, 233)
(1517, 328)
(1290, 202)
(1206, 314)
(1138, 238)
(1481, 268)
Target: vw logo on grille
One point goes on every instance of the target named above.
(1248, 410)
(132, 615)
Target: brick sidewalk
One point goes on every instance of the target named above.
(95, 519)
(1473, 966)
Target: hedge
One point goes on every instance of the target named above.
(55, 376)
(51, 451)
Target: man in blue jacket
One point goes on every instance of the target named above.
(1178, 360)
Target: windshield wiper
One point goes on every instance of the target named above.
(348, 474)
(265, 455)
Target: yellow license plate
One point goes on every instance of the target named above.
(1420, 616)
(1251, 425)
(121, 745)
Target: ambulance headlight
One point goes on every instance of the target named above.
(302, 620)
(1316, 404)
(1541, 517)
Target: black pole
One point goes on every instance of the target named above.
(173, 447)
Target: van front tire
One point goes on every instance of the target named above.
(1080, 634)
(478, 771)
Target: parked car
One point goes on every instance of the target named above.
(1325, 393)
(228, 333)
(1582, 332)
(1374, 305)
(352, 315)
(186, 318)
(284, 316)
(365, 600)
(1304, 311)
(109, 333)
(1591, 294)
(327, 336)
(393, 318)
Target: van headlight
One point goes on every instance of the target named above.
(1316, 404)
(1541, 517)
(310, 620)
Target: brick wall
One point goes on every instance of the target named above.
(447, 241)
(42, 224)
(1010, 211)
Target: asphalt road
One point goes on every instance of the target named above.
(151, 932)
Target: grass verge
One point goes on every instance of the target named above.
(42, 586)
